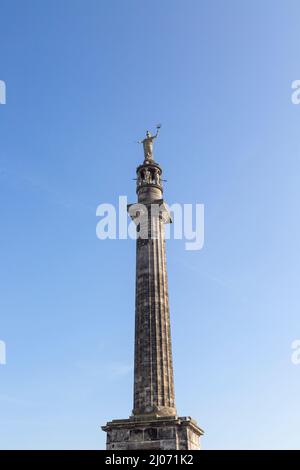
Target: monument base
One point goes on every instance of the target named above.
(153, 433)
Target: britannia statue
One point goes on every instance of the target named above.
(148, 143)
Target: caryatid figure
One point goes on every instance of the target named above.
(148, 143)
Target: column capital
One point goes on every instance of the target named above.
(155, 208)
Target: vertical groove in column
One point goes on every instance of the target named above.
(154, 294)
(151, 397)
(162, 317)
(166, 315)
(167, 323)
(159, 317)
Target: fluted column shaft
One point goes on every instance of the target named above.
(153, 369)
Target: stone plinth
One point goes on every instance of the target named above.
(156, 433)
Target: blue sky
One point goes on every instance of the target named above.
(85, 79)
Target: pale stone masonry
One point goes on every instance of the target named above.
(154, 423)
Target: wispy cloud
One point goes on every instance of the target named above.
(120, 370)
(213, 278)
(228, 284)
(16, 400)
(111, 370)
(52, 193)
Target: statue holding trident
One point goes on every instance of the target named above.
(148, 143)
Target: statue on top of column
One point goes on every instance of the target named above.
(148, 143)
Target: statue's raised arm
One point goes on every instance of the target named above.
(157, 130)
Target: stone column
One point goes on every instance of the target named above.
(154, 424)
(153, 368)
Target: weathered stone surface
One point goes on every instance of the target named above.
(172, 433)
(153, 369)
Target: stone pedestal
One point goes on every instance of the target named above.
(156, 433)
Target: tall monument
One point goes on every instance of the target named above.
(154, 423)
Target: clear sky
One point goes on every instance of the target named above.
(85, 79)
